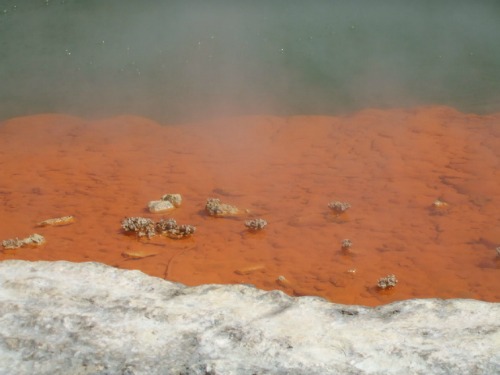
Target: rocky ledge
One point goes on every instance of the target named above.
(88, 318)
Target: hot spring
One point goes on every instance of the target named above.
(277, 108)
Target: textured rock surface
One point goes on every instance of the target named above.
(87, 318)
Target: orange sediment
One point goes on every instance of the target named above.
(390, 166)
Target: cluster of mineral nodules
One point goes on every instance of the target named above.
(15, 243)
(144, 227)
(170, 228)
(389, 281)
(346, 244)
(215, 207)
(339, 207)
(255, 224)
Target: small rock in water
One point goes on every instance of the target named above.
(255, 224)
(389, 281)
(175, 199)
(32, 240)
(339, 207)
(215, 207)
(160, 206)
(181, 231)
(140, 225)
(346, 244)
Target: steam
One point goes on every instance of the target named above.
(180, 61)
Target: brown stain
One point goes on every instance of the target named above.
(389, 165)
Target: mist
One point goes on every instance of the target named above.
(180, 61)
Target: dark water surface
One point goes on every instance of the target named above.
(187, 60)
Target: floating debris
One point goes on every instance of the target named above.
(249, 270)
(352, 271)
(255, 224)
(215, 207)
(32, 240)
(57, 222)
(140, 225)
(389, 281)
(175, 199)
(339, 207)
(346, 244)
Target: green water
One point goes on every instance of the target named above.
(178, 61)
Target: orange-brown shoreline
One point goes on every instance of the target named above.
(389, 165)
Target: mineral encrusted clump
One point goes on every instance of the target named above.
(140, 225)
(339, 207)
(346, 244)
(32, 240)
(255, 224)
(147, 227)
(12, 243)
(389, 281)
(169, 228)
(215, 207)
(182, 231)
(165, 225)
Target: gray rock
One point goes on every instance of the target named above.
(88, 318)
(160, 206)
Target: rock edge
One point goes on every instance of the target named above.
(89, 318)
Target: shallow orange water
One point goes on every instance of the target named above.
(389, 165)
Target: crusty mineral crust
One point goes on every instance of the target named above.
(32, 240)
(166, 227)
(88, 318)
(140, 225)
(215, 207)
(346, 244)
(339, 207)
(256, 224)
(389, 281)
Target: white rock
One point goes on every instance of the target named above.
(88, 318)
(160, 206)
(175, 199)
